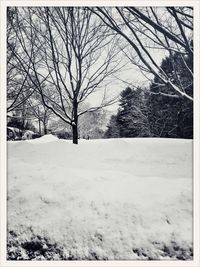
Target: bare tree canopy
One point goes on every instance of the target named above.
(18, 86)
(146, 29)
(71, 53)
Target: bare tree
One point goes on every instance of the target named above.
(38, 111)
(72, 52)
(18, 87)
(91, 123)
(148, 30)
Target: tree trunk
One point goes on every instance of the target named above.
(45, 127)
(39, 123)
(75, 134)
(75, 122)
(45, 122)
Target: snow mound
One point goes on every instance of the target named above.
(44, 139)
(118, 199)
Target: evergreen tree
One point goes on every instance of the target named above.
(112, 128)
(172, 116)
(132, 115)
(131, 119)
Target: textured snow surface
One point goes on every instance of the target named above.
(116, 199)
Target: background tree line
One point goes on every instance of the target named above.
(147, 113)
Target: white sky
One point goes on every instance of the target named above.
(131, 75)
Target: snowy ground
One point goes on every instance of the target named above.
(117, 199)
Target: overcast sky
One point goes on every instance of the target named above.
(130, 75)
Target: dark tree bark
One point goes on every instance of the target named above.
(75, 134)
(75, 122)
(39, 122)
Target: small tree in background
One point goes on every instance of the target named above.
(132, 115)
(132, 118)
(112, 128)
(91, 124)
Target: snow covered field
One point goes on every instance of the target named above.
(117, 199)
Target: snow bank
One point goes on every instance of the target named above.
(117, 199)
(44, 139)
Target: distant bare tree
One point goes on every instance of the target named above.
(72, 52)
(150, 29)
(39, 111)
(91, 123)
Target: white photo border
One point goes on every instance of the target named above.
(196, 141)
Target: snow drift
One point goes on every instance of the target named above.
(116, 199)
